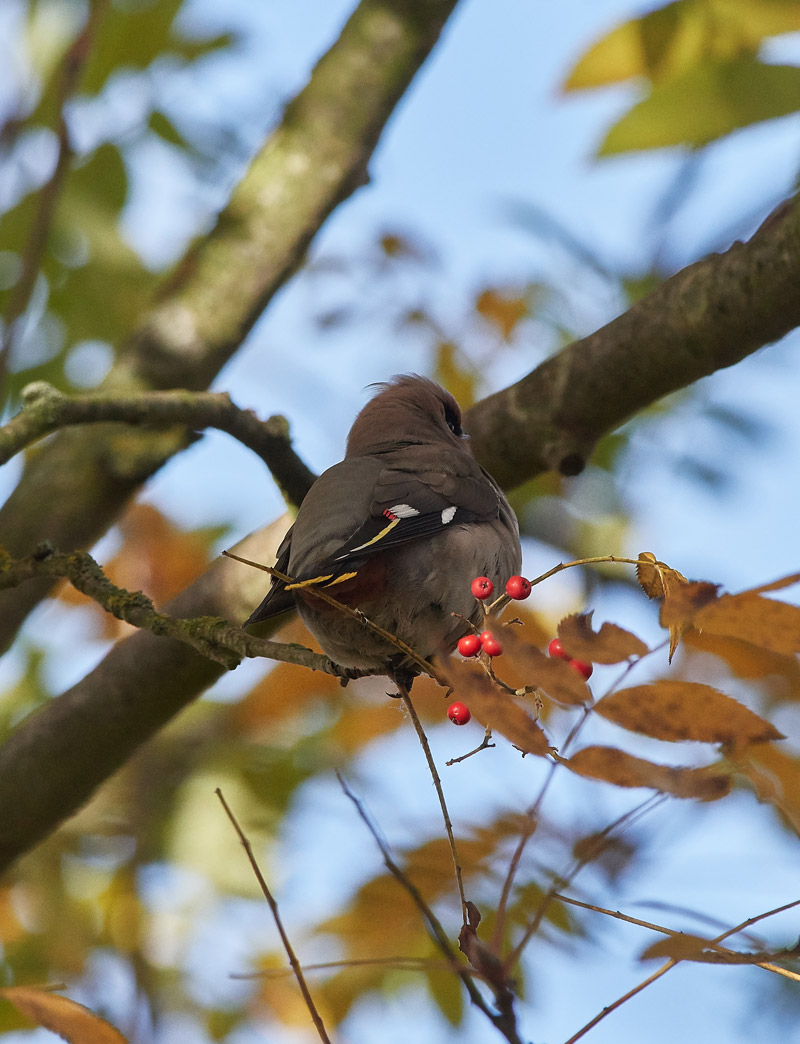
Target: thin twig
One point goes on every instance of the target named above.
(485, 744)
(621, 1000)
(448, 824)
(527, 833)
(503, 1021)
(566, 878)
(673, 961)
(726, 955)
(293, 961)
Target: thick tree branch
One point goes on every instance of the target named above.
(212, 637)
(47, 409)
(74, 487)
(61, 753)
(708, 316)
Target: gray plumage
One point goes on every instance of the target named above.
(398, 529)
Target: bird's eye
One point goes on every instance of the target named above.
(453, 419)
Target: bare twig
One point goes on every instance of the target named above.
(437, 782)
(485, 743)
(592, 851)
(503, 1021)
(673, 961)
(293, 961)
(213, 637)
(45, 409)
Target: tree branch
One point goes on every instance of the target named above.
(707, 317)
(47, 409)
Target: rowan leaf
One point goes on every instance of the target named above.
(683, 710)
(63, 1016)
(655, 577)
(554, 677)
(624, 770)
(680, 607)
(764, 622)
(496, 709)
(611, 644)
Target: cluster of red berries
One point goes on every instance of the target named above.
(556, 650)
(518, 588)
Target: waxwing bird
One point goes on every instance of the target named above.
(398, 529)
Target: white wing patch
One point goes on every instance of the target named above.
(403, 511)
(448, 513)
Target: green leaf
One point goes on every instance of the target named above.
(706, 103)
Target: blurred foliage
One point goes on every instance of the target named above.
(150, 870)
(702, 62)
(86, 281)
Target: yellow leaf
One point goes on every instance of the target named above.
(611, 644)
(624, 770)
(681, 710)
(661, 43)
(704, 103)
(65, 1017)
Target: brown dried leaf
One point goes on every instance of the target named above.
(68, 1019)
(655, 577)
(761, 621)
(680, 608)
(682, 710)
(745, 659)
(611, 644)
(624, 770)
(556, 678)
(777, 585)
(686, 947)
(495, 708)
(775, 775)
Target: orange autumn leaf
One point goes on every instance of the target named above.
(745, 659)
(495, 708)
(67, 1018)
(611, 644)
(554, 677)
(773, 625)
(504, 309)
(656, 578)
(682, 710)
(624, 770)
(774, 773)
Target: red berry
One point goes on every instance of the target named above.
(518, 587)
(556, 650)
(490, 644)
(458, 713)
(482, 587)
(582, 667)
(469, 645)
